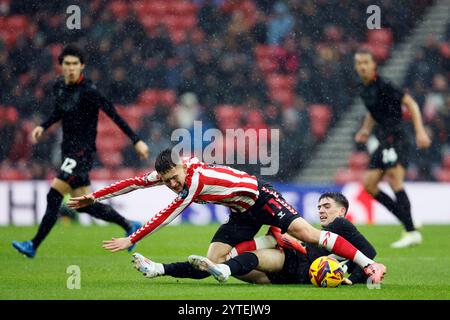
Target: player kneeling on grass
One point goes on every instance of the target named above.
(287, 264)
(253, 203)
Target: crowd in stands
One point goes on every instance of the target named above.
(252, 64)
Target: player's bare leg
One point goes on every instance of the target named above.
(371, 179)
(218, 251)
(411, 237)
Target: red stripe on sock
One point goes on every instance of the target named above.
(245, 246)
(344, 248)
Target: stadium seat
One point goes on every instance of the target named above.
(101, 174)
(228, 116)
(132, 114)
(148, 21)
(442, 175)
(167, 97)
(255, 120)
(177, 35)
(358, 160)
(280, 81)
(446, 161)
(114, 142)
(172, 22)
(378, 37)
(148, 97)
(346, 175)
(159, 8)
(265, 51)
(119, 9)
(320, 118)
(267, 65)
(111, 159)
(380, 52)
(123, 173)
(283, 96)
(18, 23)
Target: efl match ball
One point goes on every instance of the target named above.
(326, 272)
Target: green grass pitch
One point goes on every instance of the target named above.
(415, 273)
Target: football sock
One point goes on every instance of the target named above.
(405, 207)
(54, 199)
(389, 203)
(107, 213)
(242, 264)
(264, 242)
(183, 270)
(400, 208)
(341, 247)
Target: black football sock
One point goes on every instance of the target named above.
(183, 270)
(405, 208)
(107, 213)
(242, 264)
(54, 199)
(388, 202)
(391, 205)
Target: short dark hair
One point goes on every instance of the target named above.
(365, 51)
(166, 160)
(71, 50)
(338, 197)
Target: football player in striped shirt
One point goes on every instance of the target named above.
(252, 203)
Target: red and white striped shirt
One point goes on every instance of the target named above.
(204, 184)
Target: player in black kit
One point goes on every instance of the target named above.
(284, 265)
(384, 101)
(77, 104)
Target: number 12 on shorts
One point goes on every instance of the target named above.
(68, 165)
(389, 155)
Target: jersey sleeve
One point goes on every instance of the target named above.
(174, 209)
(56, 114)
(103, 103)
(124, 186)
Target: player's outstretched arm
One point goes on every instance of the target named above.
(422, 138)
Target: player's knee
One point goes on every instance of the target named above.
(217, 257)
(217, 252)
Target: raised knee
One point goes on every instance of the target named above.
(217, 257)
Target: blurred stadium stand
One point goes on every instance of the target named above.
(251, 64)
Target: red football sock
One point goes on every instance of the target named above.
(338, 245)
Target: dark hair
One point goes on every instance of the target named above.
(71, 50)
(336, 196)
(365, 51)
(166, 160)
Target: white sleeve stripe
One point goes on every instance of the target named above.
(228, 177)
(220, 190)
(122, 191)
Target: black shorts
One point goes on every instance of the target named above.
(295, 269)
(390, 152)
(239, 228)
(270, 208)
(75, 169)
